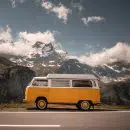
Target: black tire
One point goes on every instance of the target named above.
(41, 104)
(84, 105)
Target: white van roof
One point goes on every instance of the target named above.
(40, 78)
(71, 76)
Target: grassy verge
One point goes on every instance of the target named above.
(15, 105)
(113, 107)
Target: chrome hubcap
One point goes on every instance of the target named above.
(85, 105)
(41, 104)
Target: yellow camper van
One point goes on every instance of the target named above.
(81, 90)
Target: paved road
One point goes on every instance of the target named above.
(106, 120)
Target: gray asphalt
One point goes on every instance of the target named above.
(107, 120)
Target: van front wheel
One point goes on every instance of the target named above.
(84, 105)
(41, 104)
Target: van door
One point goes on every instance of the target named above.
(62, 92)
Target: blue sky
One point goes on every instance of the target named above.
(75, 37)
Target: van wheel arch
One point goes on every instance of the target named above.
(38, 98)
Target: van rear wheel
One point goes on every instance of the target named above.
(84, 105)
(41, 104)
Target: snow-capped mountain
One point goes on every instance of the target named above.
(44, 55)
(45, 58)
(117, 71)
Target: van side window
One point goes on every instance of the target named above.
(81, 83)
(39, 82)
(60, 83)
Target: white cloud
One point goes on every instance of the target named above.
(23, 45)
(13, 3)
(45, 37)
(47, 5)
(119, 52)
(61, 11)
(72, 57)
(5, 34)
(84, 20)
(92, 19)
(19, 48)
